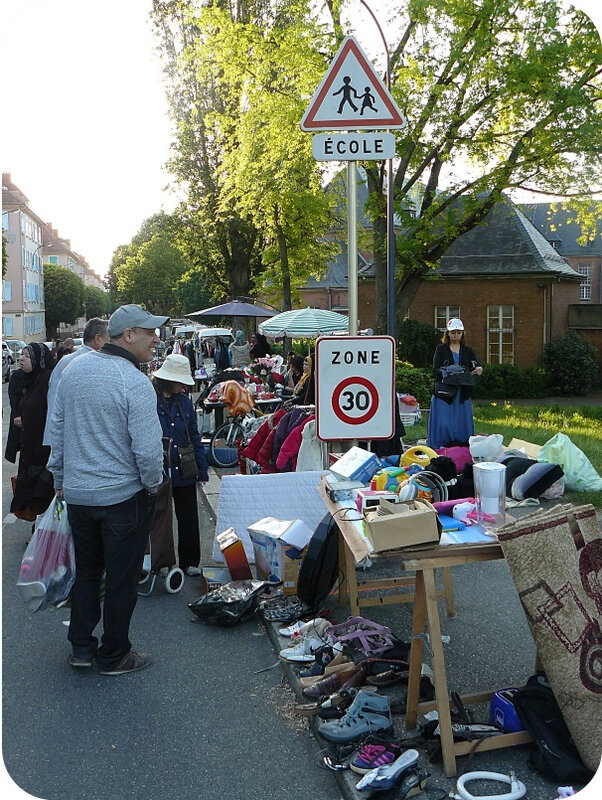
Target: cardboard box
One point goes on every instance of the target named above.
(408, 524)
(530, 450)
(356, 464)
(279, 547)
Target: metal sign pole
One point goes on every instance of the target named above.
(352, 301)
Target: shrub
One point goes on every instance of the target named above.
(417, 342)
(413, 380)
(506, 381)
(572, 364)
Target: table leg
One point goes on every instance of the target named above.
(351, 578)
(342, 570)
(416, 652)
(439, 677)
(448, 588)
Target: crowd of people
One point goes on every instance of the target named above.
(90, 427)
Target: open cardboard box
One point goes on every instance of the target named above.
(279, 547)
(413, 523)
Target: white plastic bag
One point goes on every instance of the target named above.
(486, 448)
(579, 473)
(47, 569)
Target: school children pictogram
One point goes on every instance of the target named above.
(351, 96)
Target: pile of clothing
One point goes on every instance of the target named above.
(286, 442)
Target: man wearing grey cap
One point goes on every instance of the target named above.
(107, 462)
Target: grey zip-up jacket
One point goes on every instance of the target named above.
(105, 434)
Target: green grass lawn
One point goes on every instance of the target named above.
(537, 424)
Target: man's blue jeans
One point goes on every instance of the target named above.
(111, 538)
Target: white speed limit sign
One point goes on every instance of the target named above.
(355, 387)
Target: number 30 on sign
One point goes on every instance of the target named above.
(355, 387)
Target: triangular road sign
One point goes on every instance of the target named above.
(351, 96)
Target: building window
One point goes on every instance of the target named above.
(53, 259)
(500, 334)
(7, 291)
(585, 288)
(443, 314)
(8, 326)
(5, 223)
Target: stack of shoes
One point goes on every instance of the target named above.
(312, 638)
(369, 713)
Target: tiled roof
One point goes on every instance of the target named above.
(506, 243)
(556, 224)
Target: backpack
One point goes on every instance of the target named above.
(553, 753)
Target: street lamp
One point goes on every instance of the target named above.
(389, 173)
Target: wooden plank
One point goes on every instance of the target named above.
(493, 743)
(416, 653)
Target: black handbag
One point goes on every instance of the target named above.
(444, 391)
(189, 469)
(456, 375)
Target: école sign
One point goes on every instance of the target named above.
(353, 146)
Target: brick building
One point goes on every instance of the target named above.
(512, 287)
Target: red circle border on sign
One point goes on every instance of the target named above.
(355, 420)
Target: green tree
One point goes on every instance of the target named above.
(148, 276)
(268, 174)
(499, 96)
(96, 302)
(193, 291)
(161, 224)
(63, 297)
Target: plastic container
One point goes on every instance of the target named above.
(490, 493)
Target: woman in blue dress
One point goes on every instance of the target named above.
(450, 420)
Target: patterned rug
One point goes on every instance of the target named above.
(555, 559)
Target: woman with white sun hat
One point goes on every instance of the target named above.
(178, 421)
(450, 419)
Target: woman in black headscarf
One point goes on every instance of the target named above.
(260, 347)
(34, 488)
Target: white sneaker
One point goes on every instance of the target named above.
(292, 630)
(303, 651)
(192, 572)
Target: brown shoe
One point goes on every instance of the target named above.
(131, 662)
(340, 662)
(330, 684)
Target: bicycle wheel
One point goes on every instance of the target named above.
(222, 449)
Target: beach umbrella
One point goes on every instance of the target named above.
(304, 323)
(235, 308)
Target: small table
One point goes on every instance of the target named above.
(424, 563)
(353, 549)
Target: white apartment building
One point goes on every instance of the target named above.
(23, 285)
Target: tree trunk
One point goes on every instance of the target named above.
(405, 292)
(287, 298)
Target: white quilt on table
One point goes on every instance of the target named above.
(245, 499)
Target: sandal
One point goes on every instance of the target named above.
(382, 779)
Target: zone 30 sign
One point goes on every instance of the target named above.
(355, 387)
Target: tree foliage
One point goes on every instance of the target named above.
(63, 296)
(499, 95)
(96, 302)
(146, 270)
(251, 182)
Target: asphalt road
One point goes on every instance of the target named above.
(203, 721)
